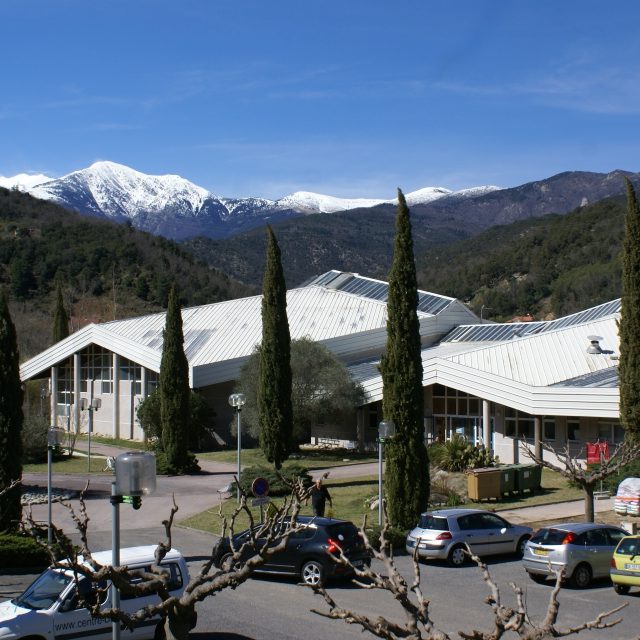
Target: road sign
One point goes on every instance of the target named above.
(260, 487)
(262, 500)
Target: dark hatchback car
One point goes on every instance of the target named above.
(308, 549)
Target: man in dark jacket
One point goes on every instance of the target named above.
(319, 496)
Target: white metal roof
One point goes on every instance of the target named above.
(218, 337)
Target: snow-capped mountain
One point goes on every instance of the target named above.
(23, 181)
(171, 206)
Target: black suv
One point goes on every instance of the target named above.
(308, 549)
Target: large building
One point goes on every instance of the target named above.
(499, 384)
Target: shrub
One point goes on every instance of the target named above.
(18, 550)
(396, 537)
(459, 455)
(276, 485)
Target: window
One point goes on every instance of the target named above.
(171, 572)
(611, 432)
(573, 429)
(549, 429)
(518, 424)
(129, 370)
(451, 402)
(96, 364)
(64, 392)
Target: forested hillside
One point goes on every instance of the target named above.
(548, 266)
(107, 271)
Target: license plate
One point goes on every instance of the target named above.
(632, 567)
(540, 552)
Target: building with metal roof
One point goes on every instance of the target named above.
(505, 385)
(119, 361)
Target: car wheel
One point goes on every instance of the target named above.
(621, 589)
(457, 556)
(522, 543)
(312, 573)
(581, 577)
(538, 578)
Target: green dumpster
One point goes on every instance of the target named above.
(483, 483)
(507, 479)
(528, 477)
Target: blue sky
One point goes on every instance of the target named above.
(351, 98)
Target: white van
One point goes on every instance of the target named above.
(49, 609)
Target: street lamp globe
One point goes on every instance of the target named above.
(237, 400)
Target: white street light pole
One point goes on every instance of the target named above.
(386, 429)
(134, 477)
(237, 401)
(92, 405)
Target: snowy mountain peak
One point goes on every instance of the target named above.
(316, 202)
(118, 190)
(428, 194)
(23, 181)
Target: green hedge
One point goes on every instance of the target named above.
(397, 537)
(276, 486)
(21, 551)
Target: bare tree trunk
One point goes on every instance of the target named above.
(589, 509)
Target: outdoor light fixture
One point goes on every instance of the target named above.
(135, 476)
(54, 437)
(386, 430)
(237, 401)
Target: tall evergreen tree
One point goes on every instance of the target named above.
(174, 390)
(11, 419)
(60, 319)
(274, 388)
(629, 369)
(407, 464)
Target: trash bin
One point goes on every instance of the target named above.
(507, 479)
(483, 483)
(528, 477)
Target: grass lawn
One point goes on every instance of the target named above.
(349, 495)
(76, 464)
(115, 442)
(310, 459)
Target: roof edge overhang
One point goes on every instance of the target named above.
(91, 334)
(602, 402)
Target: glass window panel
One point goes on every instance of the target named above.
(451, 406)
(474, 406)
(439, 405)
(438, 390)
(549, 429)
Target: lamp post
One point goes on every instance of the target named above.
(237, 401)
(135, 476)
(53, 440)
(92, 405)
(386, 429)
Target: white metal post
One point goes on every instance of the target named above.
(49, 462)
(115, 555)
(239, 449)
(380, 447)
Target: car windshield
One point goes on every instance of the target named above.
(549, 536)
(44, 591)
(629, 547)
(436, 523)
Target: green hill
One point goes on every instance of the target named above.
(546, 266)
(107, 270)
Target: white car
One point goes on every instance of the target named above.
(49, 607)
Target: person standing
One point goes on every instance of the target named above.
(319, 497)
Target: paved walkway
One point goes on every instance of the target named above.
(205, 490)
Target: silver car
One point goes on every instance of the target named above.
(451, 534)
(583, 551)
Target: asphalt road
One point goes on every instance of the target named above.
(268, 608)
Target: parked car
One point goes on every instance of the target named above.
(582, 550)
(308, 549)
(50, 607)
(625, 565)
(450, 534)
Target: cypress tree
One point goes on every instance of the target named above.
(407, 464)
(629, 368)
(275, 414)
(11, 419)
(60, 319)
(174, 390)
